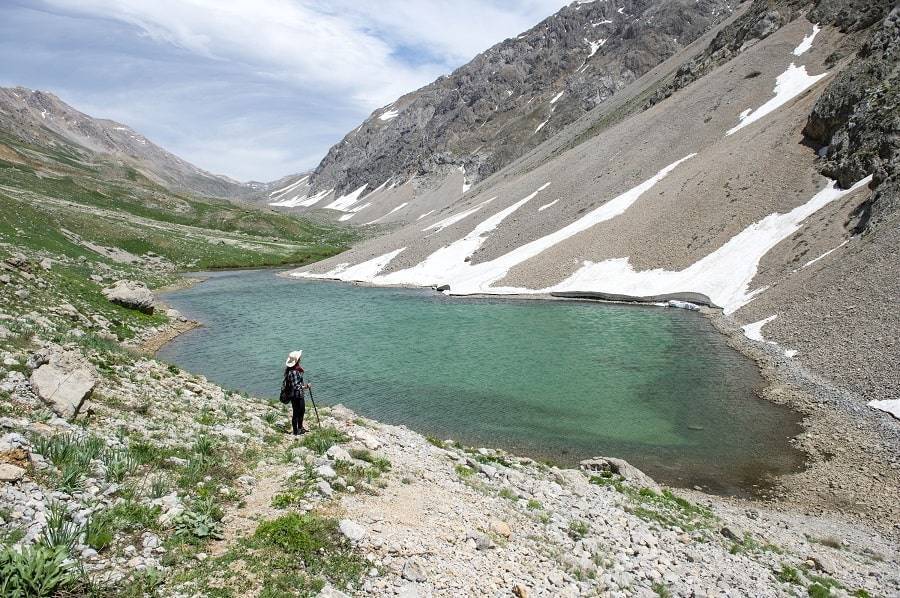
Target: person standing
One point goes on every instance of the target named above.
(294, 385)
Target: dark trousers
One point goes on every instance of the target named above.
(298, 406)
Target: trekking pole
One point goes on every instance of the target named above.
(316, 409)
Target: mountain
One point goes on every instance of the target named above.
(517, 94)
(40, 118)
(754, 170)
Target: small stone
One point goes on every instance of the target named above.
(330, 591)
(11, 473)
(324, 488)
(413, 570)
(354, 531)
(501, 528)
(520, 591)
(337, 453)
(482, 541)
(326, 471)
(732, 534)
(201, 556)
(47, 263)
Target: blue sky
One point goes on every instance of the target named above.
(254, 89)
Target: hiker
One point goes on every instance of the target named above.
(292, 389)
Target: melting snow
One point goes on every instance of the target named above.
(891, 406)
(791, 353)
(603, 22)
(754, 331)
(389, 114)
(449, 263)
(541, 126)
(397, 209)
(424, 215)
(284, 190)
(557, 96)
(354, 212)
(788, 85)
(807, 42)
(345, 201)
(595, 46)
(724, 275)
(548, 205)
(826, 254)
(302, 201)
(451, 220)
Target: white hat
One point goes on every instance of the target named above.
(293, 358)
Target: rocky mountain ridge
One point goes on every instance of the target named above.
(517, 94)
(41, 118)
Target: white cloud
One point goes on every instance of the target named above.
(347, 47)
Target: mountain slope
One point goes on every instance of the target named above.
(517, 94)
(40, 118)
(701, 181)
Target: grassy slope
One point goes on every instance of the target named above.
(44, 191)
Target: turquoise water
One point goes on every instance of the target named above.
(555, 380)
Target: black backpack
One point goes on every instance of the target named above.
(285, 396)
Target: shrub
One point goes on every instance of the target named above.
(60, 532)
(35, 571)
(119, 465)
(98, 531)
(578, 529)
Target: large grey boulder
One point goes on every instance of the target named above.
(621, 467)
(131, 294)
(63, 388)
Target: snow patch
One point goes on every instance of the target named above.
(345, 201)
(724, 275)
(389, 114)
(548, 205)
(891, 406)
(790, 353)
(428, 213)
(557, 96)
(286, 189)
(754, 331)
(451, 220)
(788, 85)
(807, 42)
(824, 255)
(304, 201)
(397, 209)
(541, 126)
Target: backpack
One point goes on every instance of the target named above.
(285, 396)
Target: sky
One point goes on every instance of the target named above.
(253, 89)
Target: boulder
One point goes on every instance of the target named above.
(500, 528)
(131, 294)
(629, 472)
(47, 263)
(63, 389)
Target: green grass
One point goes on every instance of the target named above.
(322, 439)
(578, 529)
(666, 508)
(788, 574)
(36, 571)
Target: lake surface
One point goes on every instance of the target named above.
(555, 380)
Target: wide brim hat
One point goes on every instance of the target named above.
(293, 358)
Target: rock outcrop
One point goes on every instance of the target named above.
(131, 294)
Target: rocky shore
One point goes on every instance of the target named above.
(127, 481)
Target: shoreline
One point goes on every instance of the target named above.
(849, 475)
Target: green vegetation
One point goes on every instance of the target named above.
(666, 509)
(35, 571)
(115, 207)
(749, 544)
(311, 541)
(578, 529)
(788, 574)
(661, 590)
(322, 439)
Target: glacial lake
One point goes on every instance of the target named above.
(554, 380)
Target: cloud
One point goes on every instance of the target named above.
(247, 87)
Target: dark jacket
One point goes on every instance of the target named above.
(294, 380)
